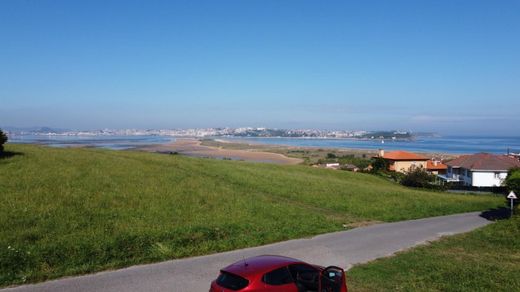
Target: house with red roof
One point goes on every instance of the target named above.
(435, 166)
(480, 170)
(404, 161)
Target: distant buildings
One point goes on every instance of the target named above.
(480, 170)
(477, 170)
(218, 132)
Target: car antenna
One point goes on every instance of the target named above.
(245, 263)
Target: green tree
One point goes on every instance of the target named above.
(3, 140)
(418, 178)
(331, 156)
(513, 180)
(379, 164)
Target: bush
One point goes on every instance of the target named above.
(3, 140)
(513, 180)
(379, 164)
(361, 163)
(418, 178)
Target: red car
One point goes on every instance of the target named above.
(278, 274)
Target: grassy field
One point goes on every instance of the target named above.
(487, 259)
(73, 211)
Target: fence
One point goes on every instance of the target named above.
(495, 190)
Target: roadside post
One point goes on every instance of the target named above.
(512, 196)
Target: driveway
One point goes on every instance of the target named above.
(342, 249)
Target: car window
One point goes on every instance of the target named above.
(279, 276)
(231, 281)
(300, 270)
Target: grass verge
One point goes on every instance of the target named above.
(487, 259)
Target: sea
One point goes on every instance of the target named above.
(102, 141)
(443, 144)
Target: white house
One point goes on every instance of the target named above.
(480, 170)
(333, 165)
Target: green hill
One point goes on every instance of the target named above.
(72, 211)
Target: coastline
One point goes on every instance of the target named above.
(236, 149)
(344, 150)
(281, 150)
(193, 147)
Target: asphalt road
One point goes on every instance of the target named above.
(342, 249)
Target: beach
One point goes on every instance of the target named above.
(278, 149)
(193, 147)
(259, 152)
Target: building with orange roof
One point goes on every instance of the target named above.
(436, 167)
(403, 161)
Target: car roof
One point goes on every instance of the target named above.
(259, 265)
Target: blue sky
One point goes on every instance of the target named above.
(446, 66)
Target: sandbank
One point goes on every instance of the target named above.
(193, 147)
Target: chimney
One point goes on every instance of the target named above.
(381, 152)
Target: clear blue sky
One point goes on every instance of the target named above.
(447, 66)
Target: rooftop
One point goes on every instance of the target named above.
(484, 161)
(403, 155)
(259, 265)
(433, 165)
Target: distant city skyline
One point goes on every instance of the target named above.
(450, 67)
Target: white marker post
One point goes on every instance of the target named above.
(512, 196)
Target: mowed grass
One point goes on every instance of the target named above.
(487, 259)
(73, 211)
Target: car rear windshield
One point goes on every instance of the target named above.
(231, 281)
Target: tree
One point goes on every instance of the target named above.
(513, 180)
(3, 140)
(331, 156)
(379, 164)
(418, 178)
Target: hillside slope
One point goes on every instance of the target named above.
(71, 211)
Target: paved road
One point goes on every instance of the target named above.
(342, 249)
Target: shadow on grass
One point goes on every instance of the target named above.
(496, 214)
(9, 154)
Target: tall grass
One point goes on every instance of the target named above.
(72, 211)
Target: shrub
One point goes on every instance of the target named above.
(513, 180)
(361, 163)
(418, 178)
(379, 164)
(3, 140)
(331, 156)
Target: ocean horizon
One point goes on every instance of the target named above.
(439, 144)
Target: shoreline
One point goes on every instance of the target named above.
(193, 147)
(349, 150)
(246, 150)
